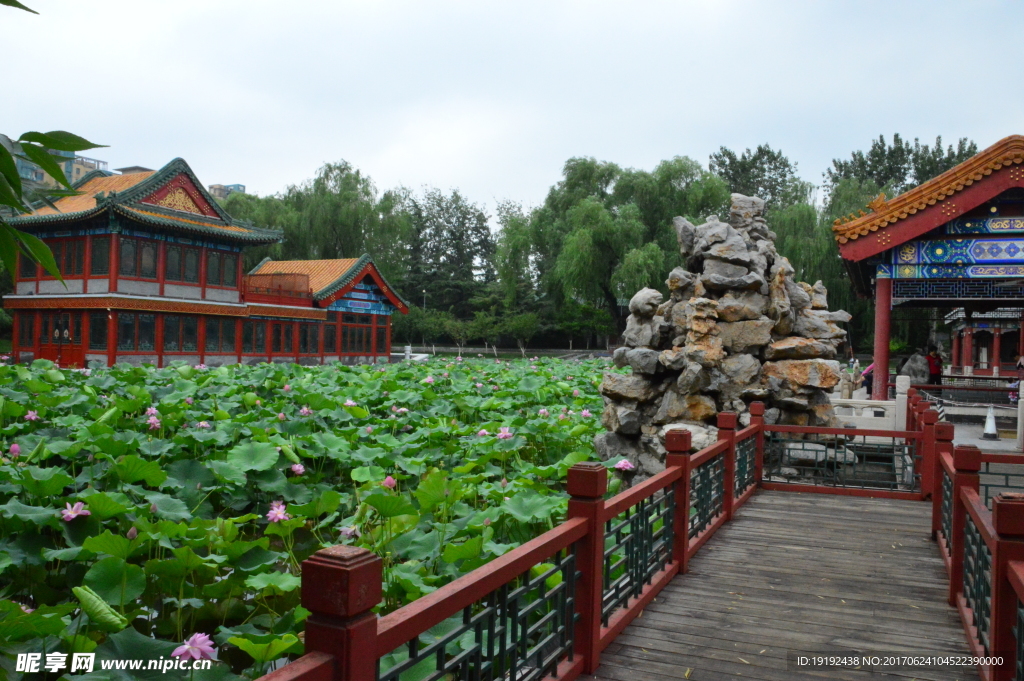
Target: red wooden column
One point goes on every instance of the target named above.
(955, 351)
(968, 351)
(87, 264)
(757, 419)
(997, 346)
(883, 315)
(929, 419)
(727, 431)
(967, 463)
(160, 334)
(1008, 521)
(115, 262)
(587, 483)
(678, 443)
(340, 587)
(111, 338)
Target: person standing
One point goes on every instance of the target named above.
(934, 366)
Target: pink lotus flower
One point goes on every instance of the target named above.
(71, 512)
(351, 532)
(483, 433)
(151, 411)
(32, 416)
(479, 385)
(201, 367)
(277, 512)
(586, 414)
(369, 429)
(562, 416)
(287, 387)
(132, 533)
(15, 450)
(487, 522)
(306, 411)
(27, 610)
(259, 403)
(350, 403)
(281, 416)
(428, 379)
(298, 468)
(624, 465)
(152, 508)
(197, 646)
(494, 387)
(189, 400)
(394, 408)
(504, 482)
(403, 410)
(505, 434)
(154, 423)
(544, 412)
(575, 393)
(203, 424)
(389, 482)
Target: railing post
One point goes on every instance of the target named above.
(912, 399)
(340, 587)
(587, 483)
(967, 463)
(757, 419)
(928, 442)
(1008, 521)
(943, 445)
(727, 431)
(679, 442)
(902, 389)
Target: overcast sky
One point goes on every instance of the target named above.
(493, 97)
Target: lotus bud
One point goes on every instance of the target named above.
(133, 533)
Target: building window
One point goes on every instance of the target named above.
(180, 334)
(26, 329)
(221, 269)
(357, 334)
(309, 339)
(97, 330)
(254, 338)
(191, 269)
(100, 258)
(126, 331)
(382, 334)
(26, 268)
(288, 338)
(220, 335)
(138, 258)
(61, 329)
(330, 339)
(136, 332)
(182, 264)
(69, 256)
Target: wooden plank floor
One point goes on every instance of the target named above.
(799, 572)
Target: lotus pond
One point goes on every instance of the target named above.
(140, 506)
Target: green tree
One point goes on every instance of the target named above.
(764, 172)
(487, 327)
(512, 258)
(522, 327)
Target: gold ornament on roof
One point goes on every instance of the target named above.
(878, 203)
(178, 199)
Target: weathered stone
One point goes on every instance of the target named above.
(736, 306)
(701, 436)
(772, 415)
(741, 369)
(640, 332)
(748, 336)
(621, 419)
(706, 352)
(916, 367)
(799, 297)
(612, 445)
(752, 281)
(816, 373)
(636, 387)
(673, 359)
(819, 324)
(645, 303)
(675, 406)
(643, 360)
(686, 233)
(723, 269)
(795, 347)
(692, 379)
(819, 296)
(619, 356)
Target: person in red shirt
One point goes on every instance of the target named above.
(934, 366)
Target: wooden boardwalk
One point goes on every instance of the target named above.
(799, 572)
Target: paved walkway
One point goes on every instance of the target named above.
(799, 572)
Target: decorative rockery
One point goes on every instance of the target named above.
(736, 328)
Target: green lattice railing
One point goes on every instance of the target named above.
(707, 485)
(746, 458)
(978, 579)
(947, 511)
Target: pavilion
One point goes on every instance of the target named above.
(956, 241)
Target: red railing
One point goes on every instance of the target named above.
(611, 557)
(277, 289)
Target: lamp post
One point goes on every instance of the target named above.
(424, 299)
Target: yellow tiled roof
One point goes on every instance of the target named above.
(204, 223)
(86, 200)
(321, 273)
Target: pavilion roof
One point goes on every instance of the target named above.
(328, 277)
(171, 198)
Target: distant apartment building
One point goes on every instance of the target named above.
(222, 191)
(74, 167)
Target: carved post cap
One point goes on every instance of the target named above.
(924, 405)
(911, 393)
(341, 581)
(757, 408)
(967, 458)
(1008, 514)
(678, 440)
(930, 417)
(726, 420)
(944, 431)
(588, 480)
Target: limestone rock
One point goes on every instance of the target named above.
(686, 233)
(641, 332)
(701, 436)
(643, 360)
(815, 373)
(917, 368)
(819, 296)
(748, 336)
(799, 297)
(741, 369)
(693, 379)
(673, 359)
(619, 356)
(675, 406)
(613, 445)
(820, 324)
(737, 306)
(636, 388)
(621, 419)
(645, 303)
(795, 347)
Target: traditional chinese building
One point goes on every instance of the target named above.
(152, 270)
(956, 241)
